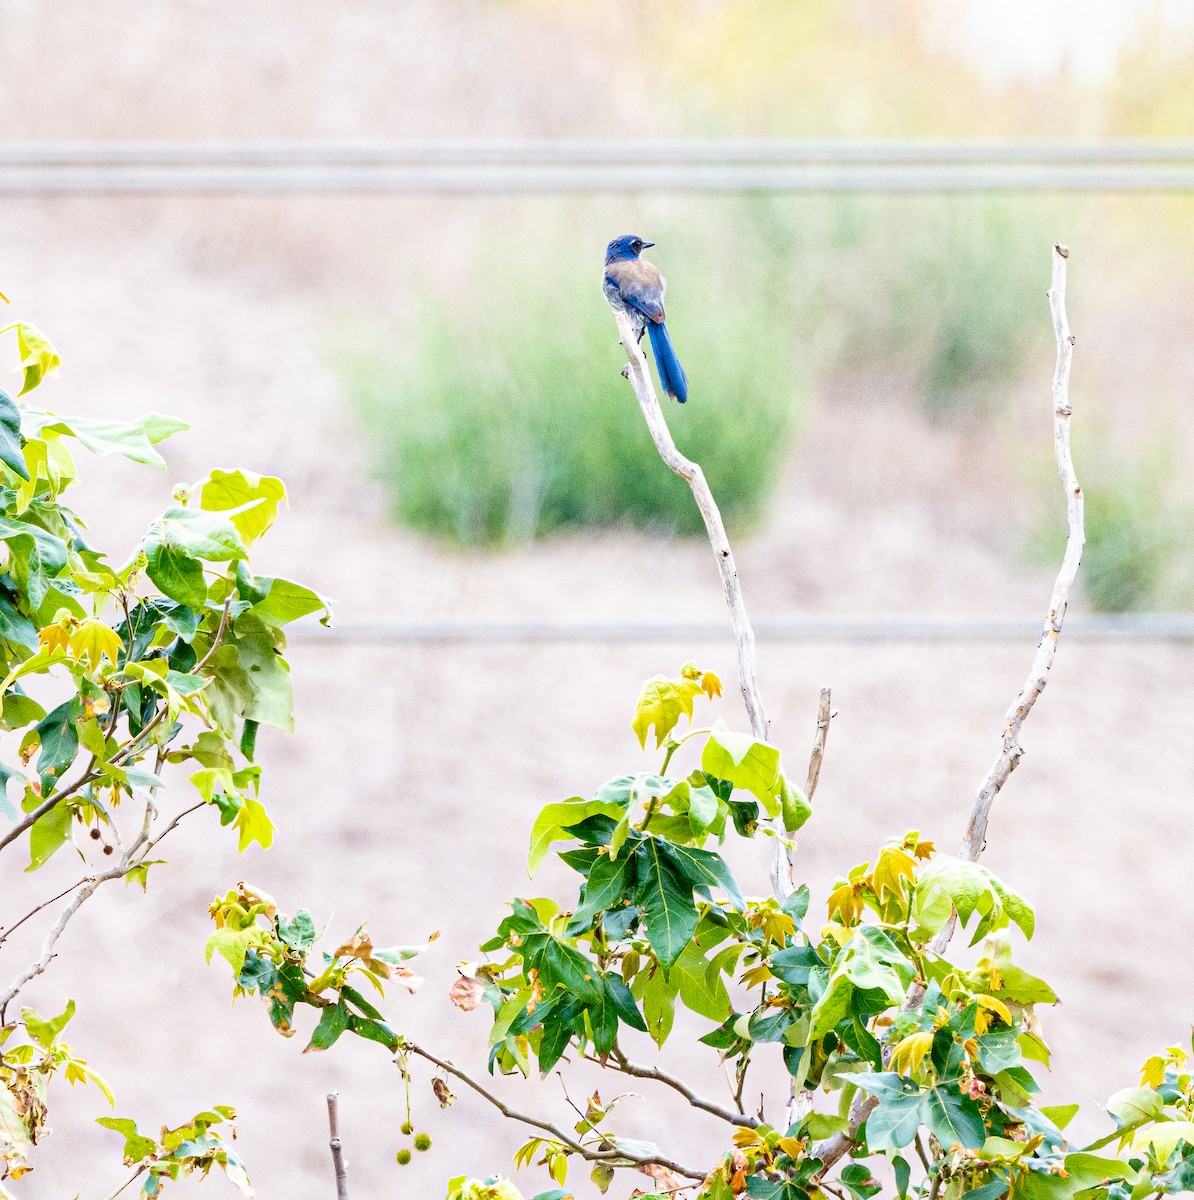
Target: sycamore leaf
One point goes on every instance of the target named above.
(10, 437)
(177, 544)
(253, 825)
(255, 497)
(133, 439)
(38, 356)
(45, 1031)
(912, 1051)
(665, 896)
(1163, 1138)
(233, 944)
(554, 820)
(95, 641)
(891, 867)
(744, 762)
(136, 1145)
(662, 703)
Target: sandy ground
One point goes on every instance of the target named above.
(407, 793)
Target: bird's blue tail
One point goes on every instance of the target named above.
(671, 373)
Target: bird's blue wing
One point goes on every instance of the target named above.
(639, 286)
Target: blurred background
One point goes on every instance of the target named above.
(435, 376)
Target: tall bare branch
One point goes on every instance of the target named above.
(748, 674)
(1010, 752)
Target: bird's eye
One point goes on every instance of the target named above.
(637, 244)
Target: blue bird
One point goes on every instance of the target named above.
(634, 286)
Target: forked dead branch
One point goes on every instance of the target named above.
(1011, 751)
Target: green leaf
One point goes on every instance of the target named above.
(704, 869)
(1091, 1170)
(700, 984)
(662, 703)
(665, 895)
(902, 1110)
(1061, 1114)
(10, 437)
(332, 1023)
(740, 760)
(253, 825)
(955, 1118)
(702, 808)
(136, 1145)
(794, 805)
(132, 439)
(554, 819)
(285, 601)
(657, 992)
(175, 543)
(250, 678)
(988, 1191)
(299, 931)
(48, 834)
(869, 960)
(45, 1031)
(872, 960)
(7, 808)
(1022, 988)
(256, 497)
(175, 574)
(608, 883)
(38, 356)
(1134, 1105)
(233, 944)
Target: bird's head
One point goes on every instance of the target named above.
(629, 245)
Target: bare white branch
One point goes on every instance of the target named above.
(748, 675)
(336, 1147)
(1010, 752)
(831, 1150)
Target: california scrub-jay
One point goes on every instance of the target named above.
(634, 286)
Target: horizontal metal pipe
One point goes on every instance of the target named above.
(149, 168)
(598, 151)
(164, 180)
(1125, 627)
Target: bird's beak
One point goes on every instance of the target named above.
(646, 244)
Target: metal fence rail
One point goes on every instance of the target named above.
(1126, 627)
(102, 168)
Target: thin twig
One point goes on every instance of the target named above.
(800, 1101)
(134, 860)
(132, 857)
(824, 716)
(621, 1063)
(4, 934)
(47, 950)
(131, 1179)
(613, 1157)
(691, 473)
(1010, 752)
(336, 1148)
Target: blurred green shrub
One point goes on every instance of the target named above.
(510, 420)
(1138, 553)
(504, 418)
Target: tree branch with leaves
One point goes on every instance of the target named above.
(138, 676)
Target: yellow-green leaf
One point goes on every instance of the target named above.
(95, 641)
(662, 703)
(912, 1051)
(257, 497)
